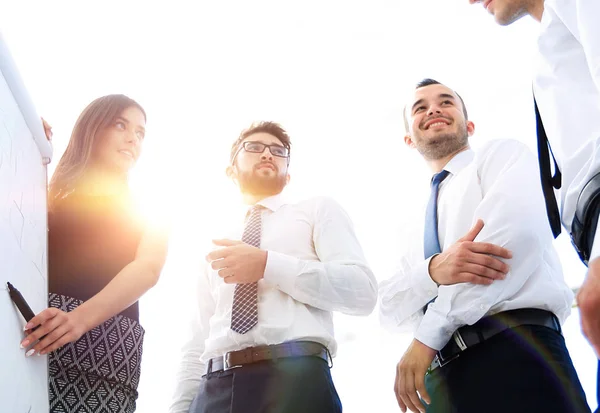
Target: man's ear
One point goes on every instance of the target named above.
(408, 141)
(470, 128)
(231, 173)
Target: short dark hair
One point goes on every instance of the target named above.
(272, 128)
(429, 82)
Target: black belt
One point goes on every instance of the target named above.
(469, 336)
(251, 355)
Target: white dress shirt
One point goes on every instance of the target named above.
(567, 90)
(500, 185)
(315, 265)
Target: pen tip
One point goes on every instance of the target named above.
(10, 286)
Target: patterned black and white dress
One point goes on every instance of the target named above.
(91, 238)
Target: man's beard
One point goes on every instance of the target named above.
(254, 184)
(442, 145)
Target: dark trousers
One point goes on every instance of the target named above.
(289, 385)
(526, 369)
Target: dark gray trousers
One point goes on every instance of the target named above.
(521, 370)
(289, 385)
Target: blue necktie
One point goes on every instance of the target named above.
(431, 240)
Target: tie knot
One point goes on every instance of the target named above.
(439, 177)
(256, 209)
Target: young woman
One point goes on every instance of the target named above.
(100, 262)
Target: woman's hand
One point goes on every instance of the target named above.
(47, 129)
(55, 328)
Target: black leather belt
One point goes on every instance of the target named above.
(469, 336)
(251, 355)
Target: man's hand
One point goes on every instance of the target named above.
(588, 300)
(56, 328)
(410, 377)
(238, 262)
(470, 262)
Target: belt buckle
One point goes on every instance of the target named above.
(226, 362)
(460, 342)
(441, 362)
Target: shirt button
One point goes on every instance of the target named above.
(481, 306)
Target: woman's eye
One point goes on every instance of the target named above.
(120, 125)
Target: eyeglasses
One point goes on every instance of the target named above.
(259, 147)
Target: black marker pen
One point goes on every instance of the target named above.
(17, 298)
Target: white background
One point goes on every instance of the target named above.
(335, 74)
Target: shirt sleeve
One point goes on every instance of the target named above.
(191, 369)
(403, 296)
(514, 216)
(588, 33)
(341, 280)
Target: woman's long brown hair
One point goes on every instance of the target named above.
(97, 115)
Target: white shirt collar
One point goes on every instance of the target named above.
(460, 161)
(273, 203)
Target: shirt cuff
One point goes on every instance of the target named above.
(421, 282)
(434, 330)
(596, 245)
(281, 270)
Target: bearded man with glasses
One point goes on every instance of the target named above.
(263, 333)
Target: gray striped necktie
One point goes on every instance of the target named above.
(244, 312)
